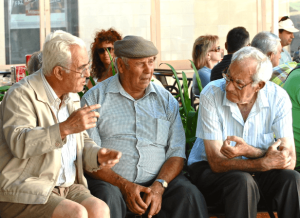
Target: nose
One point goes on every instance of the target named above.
(148, 68)
(229, 86)
(293, 35)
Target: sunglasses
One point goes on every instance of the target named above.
(217, 49)
(102, 50)
(284, 18)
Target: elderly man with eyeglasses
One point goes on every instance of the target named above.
(236, 159)
(142, 120)
(286, 34)
(44, 147)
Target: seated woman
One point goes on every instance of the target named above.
(206, 54)
(103, 40)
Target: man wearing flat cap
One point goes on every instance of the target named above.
(142, 120)
(286, 34)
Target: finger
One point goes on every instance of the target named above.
(235, 139)
(133, 207)
(87, 109)
(141, 203)
(147, 199)
(91, 114)
(275, 144)
(145, 189)
(153, 209)
(158, 209)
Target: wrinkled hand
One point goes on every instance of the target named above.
(240, 148)
(80, 120)
(131, 193)
(154, 198)
(107, 158)
(277, 159)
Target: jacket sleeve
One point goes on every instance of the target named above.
(90, 154)
(25, 134)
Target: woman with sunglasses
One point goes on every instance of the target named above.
(103, 41)
(206, 54)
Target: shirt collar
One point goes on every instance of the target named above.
(116, 87)
(52, 97)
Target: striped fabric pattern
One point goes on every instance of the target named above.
(67, 171)
(147, 131)
(218, 118)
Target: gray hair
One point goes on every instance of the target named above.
(56, 51)
(266, 42)
(264, 66)
(125, 61)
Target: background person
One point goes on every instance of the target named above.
(103, 40)
(206, 54)
(236, 39)
(269, 44)
(286, 34)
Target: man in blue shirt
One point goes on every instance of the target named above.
(235, 153)
(142, 120)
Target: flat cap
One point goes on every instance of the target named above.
(134, 47)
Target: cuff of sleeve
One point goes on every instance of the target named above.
(93, 160)
(55, 137)
(210, 136)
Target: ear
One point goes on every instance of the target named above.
(270, 55)
(121, 65)
(57, 72)
(260, 85)
(226, 46)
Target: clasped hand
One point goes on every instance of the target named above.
(240, 148)
(152, 197)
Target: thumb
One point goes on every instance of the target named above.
(234, 139)
(145, 189)
(276, 144)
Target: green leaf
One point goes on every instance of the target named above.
(4, 88)
(92, 80)
(26, 72)
(179, 86)
(112, 63)
(80, 94)
(197, 76)
(187, 99)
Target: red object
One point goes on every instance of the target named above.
(20, 73)
(28, 56)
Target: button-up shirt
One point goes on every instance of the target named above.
(67, 171)
(218, 118)
(147, 131)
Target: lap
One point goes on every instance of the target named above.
(76, 193)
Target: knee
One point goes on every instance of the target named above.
(289, 176)
(103, 210)
(243, 182)
(78, 211)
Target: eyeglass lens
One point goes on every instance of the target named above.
(102, 50)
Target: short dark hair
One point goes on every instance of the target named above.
(281, 30)
(236, 39)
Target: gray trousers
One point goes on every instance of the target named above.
(238, 192)
(180, 199)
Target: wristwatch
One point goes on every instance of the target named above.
(163, 182)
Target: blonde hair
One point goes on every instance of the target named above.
(201, 47)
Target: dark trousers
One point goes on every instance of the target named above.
(238, 192)
(180, 199)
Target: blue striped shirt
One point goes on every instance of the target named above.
(147, 131)
(218, 118)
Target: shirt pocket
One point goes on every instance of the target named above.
(266, 140)
(162, 131)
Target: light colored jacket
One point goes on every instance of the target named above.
(30, 144)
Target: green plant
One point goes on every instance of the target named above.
(188, 114)
(3, 89)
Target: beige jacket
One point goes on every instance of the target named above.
(30, 144)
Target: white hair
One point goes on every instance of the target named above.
(266, 42)
(264, 67)
(56, 51)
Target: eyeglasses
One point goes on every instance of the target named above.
(102, 50)
(82, 73)
(217, 49)
(284, 18)
(235, 83)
